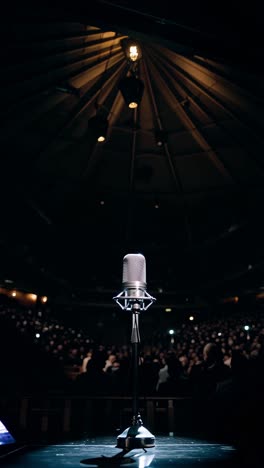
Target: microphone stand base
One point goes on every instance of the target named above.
(135, 437)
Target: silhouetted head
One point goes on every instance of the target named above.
(212, 354)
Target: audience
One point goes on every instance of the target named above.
(212, 358)
(216, 363)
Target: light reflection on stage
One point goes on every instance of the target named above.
(102, 452)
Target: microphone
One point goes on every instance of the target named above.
(134, 275)
(134, 295)
(135, 298)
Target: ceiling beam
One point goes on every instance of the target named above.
(172, 168)
(187, 121)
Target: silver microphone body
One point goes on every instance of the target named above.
(134, 294)
(134, 276)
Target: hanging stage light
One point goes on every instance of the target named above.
(133, 53)
(132, 49)
(132, 89)
(98, 126)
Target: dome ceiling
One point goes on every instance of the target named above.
(74, 207)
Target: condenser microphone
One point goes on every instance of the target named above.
(134, 294)
(135, 298)
(134, 275)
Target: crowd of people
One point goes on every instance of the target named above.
(215, 365)
(199, 359)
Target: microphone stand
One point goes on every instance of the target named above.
(135, 436)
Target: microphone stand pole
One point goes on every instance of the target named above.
(135, 340)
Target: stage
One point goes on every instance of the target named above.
(169, 451)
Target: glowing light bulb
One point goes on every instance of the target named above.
(132, 105)
(101, 139)
(133, 53)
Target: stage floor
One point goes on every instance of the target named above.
(170, 451)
